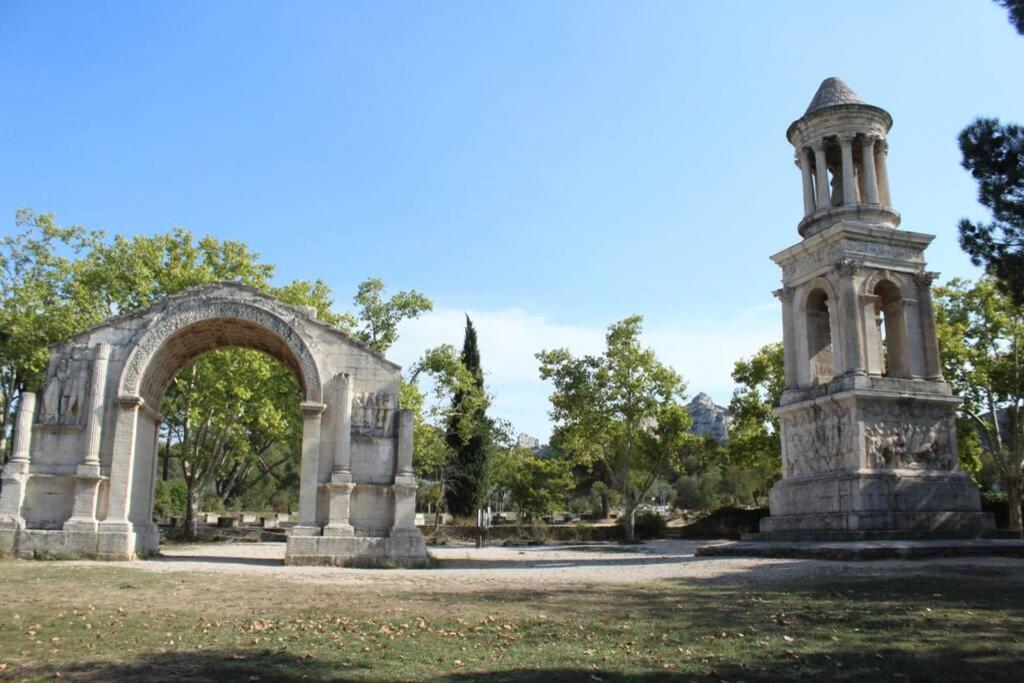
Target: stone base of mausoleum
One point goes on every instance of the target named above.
(403, 550)
(64, 544)
(872, 500)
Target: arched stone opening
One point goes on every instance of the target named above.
(192, 329)
(819, 336)
(194, 341)
(892, 330)
(180, 336)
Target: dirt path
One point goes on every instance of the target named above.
(463, 567)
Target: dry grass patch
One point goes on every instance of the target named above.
(98, 623)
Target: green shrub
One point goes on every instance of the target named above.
(647, 524)
(580, 505)
(697, 492)
(284, 501)
(211, 502)
(170, 499)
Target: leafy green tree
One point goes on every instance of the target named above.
(40, 303)
(435, 453)
(994, 154)
(754, 450)
(468, 434)
(980, 336)
(536, 486)
(622, 409)
(377, 319)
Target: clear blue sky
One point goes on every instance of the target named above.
(549, 167)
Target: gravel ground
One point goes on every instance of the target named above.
(465, 568)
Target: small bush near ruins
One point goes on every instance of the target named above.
(648, 524)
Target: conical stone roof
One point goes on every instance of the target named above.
(831, 92)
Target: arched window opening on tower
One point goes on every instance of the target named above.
(892, 330)
(819, 337)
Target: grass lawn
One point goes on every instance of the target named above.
(86, 622)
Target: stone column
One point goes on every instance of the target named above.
(849, 179)
(87, 476)
(309, 469)
(122, 464)
(403, 462)
(932, 360)
(339, 489)
(867, 155)
(343, 429)
(785, 295)
(804, 162)
(821, 171)
(16, 471)
(97, 400)
(872, 337)
(853, 356)
(22, 446)
(405, 481)
(882, 172)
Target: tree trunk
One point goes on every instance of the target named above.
(627, 518)
(191, 512)
(6, 418)
(167, 457)
(1013, 497)
(605, 505)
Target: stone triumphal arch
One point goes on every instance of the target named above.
(81, 479)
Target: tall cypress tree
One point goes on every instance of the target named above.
(465, 494)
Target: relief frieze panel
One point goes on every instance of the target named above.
(832, 252)
(817, 440)
(909, 436)
(373, 413)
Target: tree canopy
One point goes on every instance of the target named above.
(980, 335)
(994, 154)
(622, 409)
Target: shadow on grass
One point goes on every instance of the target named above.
(219, 559)
(964, 663)
(210, 665)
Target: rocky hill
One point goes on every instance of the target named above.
(709, 419)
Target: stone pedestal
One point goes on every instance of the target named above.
(878, 458)
(340, 500)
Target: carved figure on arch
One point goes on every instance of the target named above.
(64, 396)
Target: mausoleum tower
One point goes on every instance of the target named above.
(868, 429)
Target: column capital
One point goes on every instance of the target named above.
(784, 293)
(882, 145)
(869, 138)
(925, 278)
(847, 266)
(311, 408)
(817, 145)
(846, 139)
(130, 400)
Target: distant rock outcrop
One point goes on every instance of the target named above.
(709, 419)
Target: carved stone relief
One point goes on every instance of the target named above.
(817, 440)
(63, 398)
(189, 313)
(908, 436)
(372, 413)
(832, 252)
